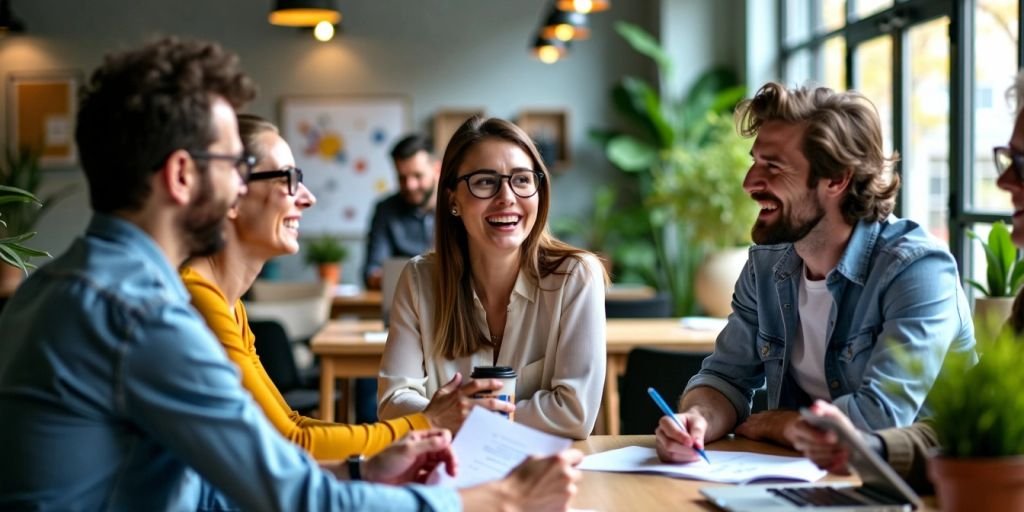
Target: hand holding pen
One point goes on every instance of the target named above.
(678, 444)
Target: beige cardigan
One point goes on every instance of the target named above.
(554, 338)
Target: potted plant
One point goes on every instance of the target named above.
(689, 164)
(14, 255)
(327, 253)
(21, 171)
(978, 416)
(1003, 276)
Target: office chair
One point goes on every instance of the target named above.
(659, 306)
(275, 351)
(664, 370)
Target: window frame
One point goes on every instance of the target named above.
(897, 21)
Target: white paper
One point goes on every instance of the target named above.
(725, 467)
(347, 290)
(488, 446)
(375, 336)
(57, 131)
(703, 323)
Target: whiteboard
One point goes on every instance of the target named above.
(342, 145)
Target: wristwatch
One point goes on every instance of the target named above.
(355, 467)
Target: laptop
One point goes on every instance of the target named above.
(391, 270)
(882, 488)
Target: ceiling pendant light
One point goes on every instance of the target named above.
(8, 23)
(304, 13)
(583, 6)
(549, 51)
(565, 26)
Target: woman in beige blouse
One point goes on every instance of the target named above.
(498, 290)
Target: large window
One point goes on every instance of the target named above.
(942, 109)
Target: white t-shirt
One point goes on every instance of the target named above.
(808, 356)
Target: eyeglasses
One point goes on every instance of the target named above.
(242, 163)
(293, 174)
(485, 184)
(1004, 158)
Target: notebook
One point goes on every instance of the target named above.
(882, 488)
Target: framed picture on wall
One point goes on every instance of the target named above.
(343, 144)
(41, 110)
(446, 121)
(549, 129)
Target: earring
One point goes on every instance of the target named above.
(455, 212)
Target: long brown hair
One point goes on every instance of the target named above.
(456, 333)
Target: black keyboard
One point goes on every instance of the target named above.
(819, 496)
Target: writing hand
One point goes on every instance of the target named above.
(676, 444)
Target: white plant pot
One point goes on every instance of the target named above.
(716, 279)
(990, 313)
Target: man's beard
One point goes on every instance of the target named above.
(786, 229)
(203, 223)
(428, 194)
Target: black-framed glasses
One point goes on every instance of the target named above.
(485, 184)
(242, 163)
(1005, 157)
(294, 175)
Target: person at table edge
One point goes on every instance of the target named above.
(834, 288)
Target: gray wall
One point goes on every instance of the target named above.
(439, 53)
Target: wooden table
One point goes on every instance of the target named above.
(633, 491)
(345, 353)
(365, 305)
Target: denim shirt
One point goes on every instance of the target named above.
(895, 289)
(398, 229)
(114, 395)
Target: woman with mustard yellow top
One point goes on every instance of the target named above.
(264, 224)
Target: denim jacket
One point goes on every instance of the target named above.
(895, 289)
(115, 396)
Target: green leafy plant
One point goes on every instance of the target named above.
(978, 410)
(1005, 272)
(22, 170)
(688, 163)
(325, 249)
(12, 250)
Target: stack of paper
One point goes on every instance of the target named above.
(725, 467)
(489, 446)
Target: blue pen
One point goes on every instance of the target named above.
(668, 412)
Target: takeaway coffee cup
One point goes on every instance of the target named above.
(507, 376)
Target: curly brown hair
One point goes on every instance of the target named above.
(141, 105)
(843, 135)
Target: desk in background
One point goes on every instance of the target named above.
(365, 304)
(345, 353)
(634, 491)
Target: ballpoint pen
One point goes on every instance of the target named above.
(668, 412)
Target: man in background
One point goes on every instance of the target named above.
(403, 223)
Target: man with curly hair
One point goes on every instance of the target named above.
(114, 395)
(835, 289)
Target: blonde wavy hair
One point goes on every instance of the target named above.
(456, 333)
(843, 135)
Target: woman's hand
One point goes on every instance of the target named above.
(451, 404)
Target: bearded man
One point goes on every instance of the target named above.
(835, 289)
